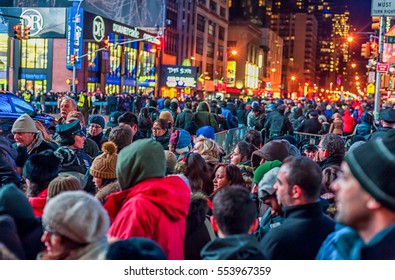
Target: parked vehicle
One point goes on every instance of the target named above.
(12, 107)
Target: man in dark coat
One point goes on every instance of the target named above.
(367, 205)
(387, 122)
(234, 215)
(28, 139)
(311, 125)
(331, 150)
(305, 225)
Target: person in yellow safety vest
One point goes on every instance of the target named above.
(84, 104)
(27, 96)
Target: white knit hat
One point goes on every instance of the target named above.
(76, 215)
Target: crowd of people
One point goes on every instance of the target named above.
(152, 182)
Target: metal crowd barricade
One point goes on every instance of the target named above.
(229, 138)
(313, 138)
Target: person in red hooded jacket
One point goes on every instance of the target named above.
(149, 204)
(348, 123)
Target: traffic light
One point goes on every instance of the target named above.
(375, 23)
(106, 43)
(72, 59)
(25, 32)
(365, 50)
(18, 31)
(374, 49)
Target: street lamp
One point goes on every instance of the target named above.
(233, 52)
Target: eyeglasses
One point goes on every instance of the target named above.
(95, 125)
(156, 129)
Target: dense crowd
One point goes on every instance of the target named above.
(152, 182)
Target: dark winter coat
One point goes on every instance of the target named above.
(182, 118)
(233, 247)
(300, 236)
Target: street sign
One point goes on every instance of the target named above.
(382, 67)
(383, 8)
(370, 89)
(390, 39)
(371, 77)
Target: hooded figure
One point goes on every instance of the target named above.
(204, 117)
(149, 205)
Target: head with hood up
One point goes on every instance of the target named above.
(139, 161)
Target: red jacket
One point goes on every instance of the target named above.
(348, 122)
(155, 208)
(38, 203)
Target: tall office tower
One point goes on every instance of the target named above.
(299, 32)
(340, 49)
(257, 12)
(324, 11)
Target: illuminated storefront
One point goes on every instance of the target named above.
(130, 62)
(42, 62)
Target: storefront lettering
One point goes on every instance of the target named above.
(151, 39)
(127, 31)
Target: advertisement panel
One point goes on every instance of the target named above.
(75, 35)
(43, 22)
(179, 76)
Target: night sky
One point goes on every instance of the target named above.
(360, 13)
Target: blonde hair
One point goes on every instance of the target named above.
(210, 147)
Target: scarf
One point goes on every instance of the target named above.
(38, 139)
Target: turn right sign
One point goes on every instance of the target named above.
(383, 8)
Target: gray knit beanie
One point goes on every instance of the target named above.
(24, 124)
(78, 216)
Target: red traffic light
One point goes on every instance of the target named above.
(18, 31)
(25, 32)
(72, 59)
(106, 43)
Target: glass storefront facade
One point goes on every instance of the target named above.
(33, 65)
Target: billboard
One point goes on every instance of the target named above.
(43, 22)
(141, 13)
(179, 76)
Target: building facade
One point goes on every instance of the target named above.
(43, 62)
(299, 32)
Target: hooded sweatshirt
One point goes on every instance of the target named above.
(150, 205)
